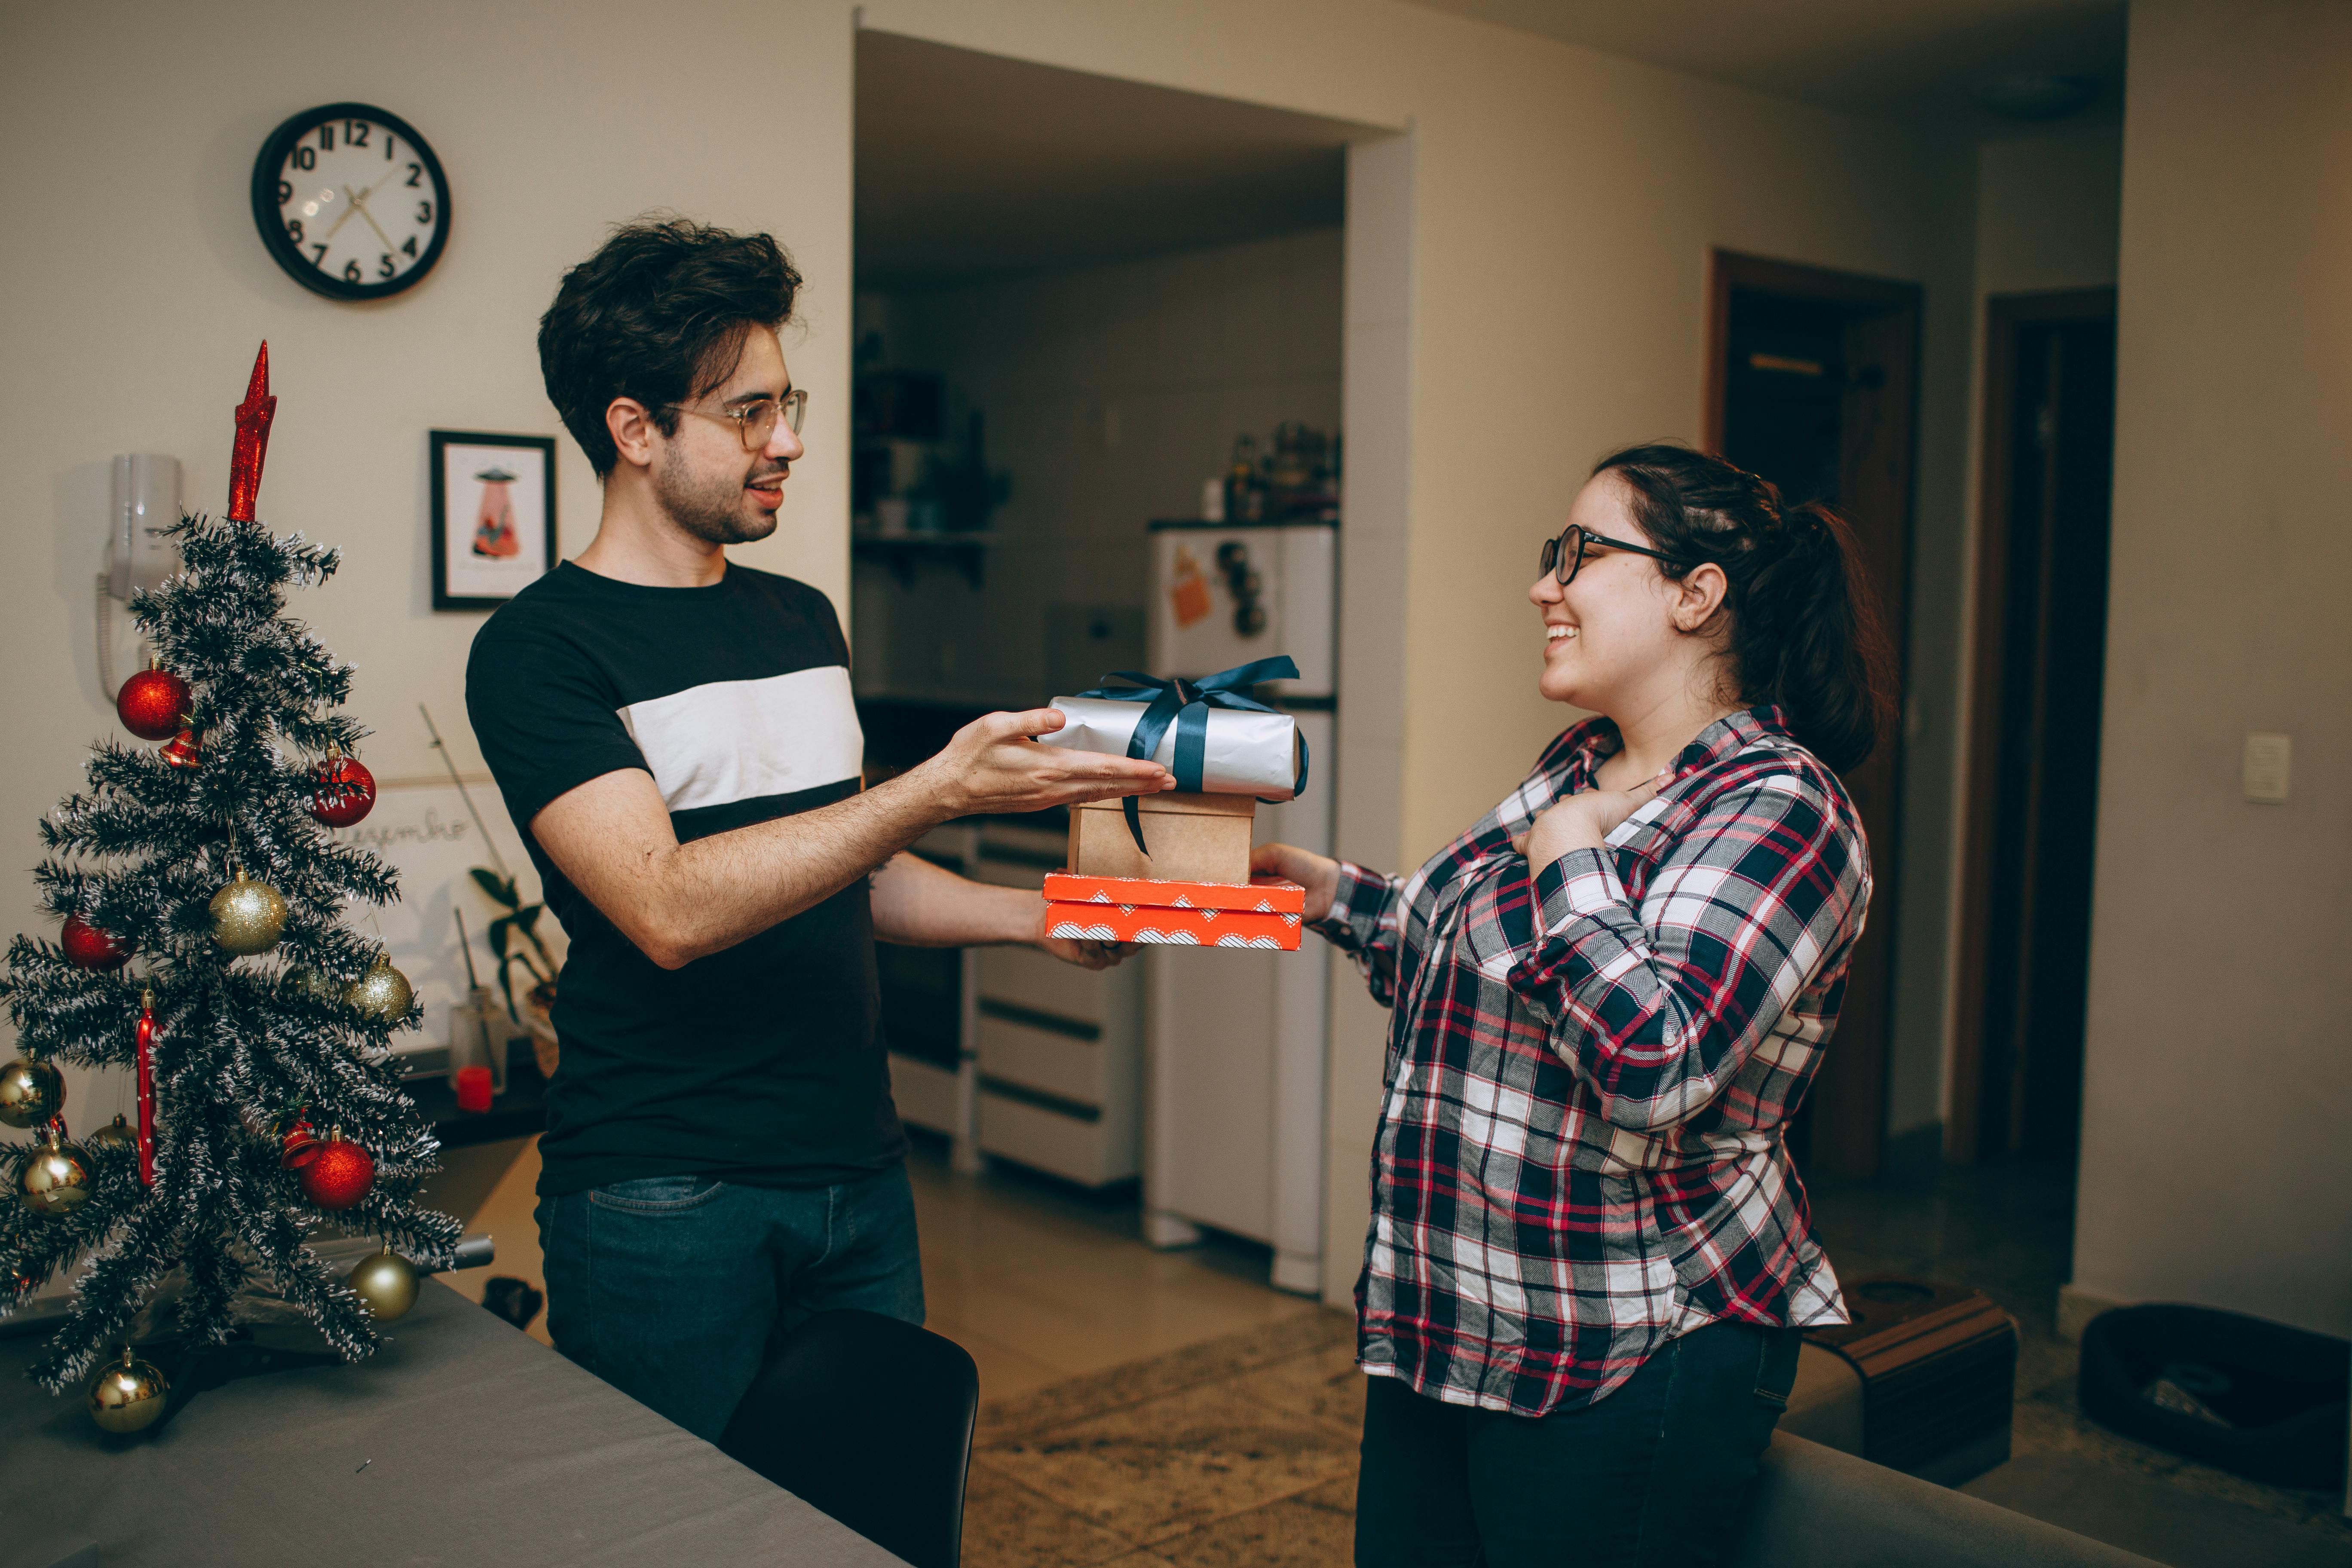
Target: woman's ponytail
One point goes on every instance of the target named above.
(1805, 630)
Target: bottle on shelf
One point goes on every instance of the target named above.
(1245, 486)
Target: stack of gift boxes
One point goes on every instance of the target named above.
(1174, 870)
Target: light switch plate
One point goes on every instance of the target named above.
(2269, 759)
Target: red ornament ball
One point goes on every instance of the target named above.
(151, 704)
(339, 1175)
(86, 947)
(345, 792)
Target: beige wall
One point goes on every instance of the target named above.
(2215, 1166)
(1562, 209)
(2047, 210)
(135, 290)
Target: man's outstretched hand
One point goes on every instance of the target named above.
(992, 765)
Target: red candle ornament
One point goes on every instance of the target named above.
(147, 1089)
(253, 417)
(88, 947)
(340, 1177)
(152, 704)
(344, 791)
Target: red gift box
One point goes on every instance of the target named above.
(1263, 895)
(1262, 914)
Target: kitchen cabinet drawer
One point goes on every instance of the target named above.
(1089, 1151)
(924, 1093)
(1057, 1063)
(1027, 978)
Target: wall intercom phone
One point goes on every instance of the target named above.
(146, 502)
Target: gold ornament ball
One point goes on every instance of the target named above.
(128, 1396)
(387, 1283)
(117, 1133)
(30, 1092)
(248, 915)
(55, 1181)
(381, 993)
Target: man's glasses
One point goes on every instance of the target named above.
(756, 421)
(1564, 557)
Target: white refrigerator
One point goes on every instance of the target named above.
(1236, 1040)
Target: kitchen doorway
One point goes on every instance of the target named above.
(1092, 313)
(2034, 759)
(1812, 384)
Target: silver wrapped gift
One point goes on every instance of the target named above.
(1245, 752)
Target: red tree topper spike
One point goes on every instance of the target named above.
(253, 417)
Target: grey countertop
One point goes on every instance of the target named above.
(461, 1441)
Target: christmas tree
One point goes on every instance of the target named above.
(204, 946)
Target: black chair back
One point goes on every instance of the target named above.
(867, 1419)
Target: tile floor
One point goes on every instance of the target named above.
(1147, 1408)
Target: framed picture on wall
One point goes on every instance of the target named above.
(493, 516)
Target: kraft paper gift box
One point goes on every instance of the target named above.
(1192, 837)
(1263, 914)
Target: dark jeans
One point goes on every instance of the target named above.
(674, 1289)
(1653, 1473)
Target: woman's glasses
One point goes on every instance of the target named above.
(756, 421)
(1564, 557)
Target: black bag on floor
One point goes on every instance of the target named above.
(2250, 1396)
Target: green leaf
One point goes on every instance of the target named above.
(501, 928)
(502, 889)
(528, 918)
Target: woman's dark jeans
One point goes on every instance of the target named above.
(1656, 1472)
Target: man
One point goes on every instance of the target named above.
(676, 738)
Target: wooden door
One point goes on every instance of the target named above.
(2034, 733)
(1814, 383)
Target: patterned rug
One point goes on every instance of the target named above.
(1240, 1451)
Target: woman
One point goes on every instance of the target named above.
(1589, 1260)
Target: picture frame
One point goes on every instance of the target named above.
(493, 516)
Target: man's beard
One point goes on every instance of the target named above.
(711, 508)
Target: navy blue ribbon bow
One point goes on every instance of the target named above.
(1186, 704)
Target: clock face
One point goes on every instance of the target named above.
(350, 201)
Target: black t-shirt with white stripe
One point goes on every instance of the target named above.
(763, 1064)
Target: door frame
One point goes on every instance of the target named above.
(1850, 1097)
(1979, 771)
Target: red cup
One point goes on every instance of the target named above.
(473, 1089)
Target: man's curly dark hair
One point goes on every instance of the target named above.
(657, 314)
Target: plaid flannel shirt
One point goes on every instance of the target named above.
(1580, 1149)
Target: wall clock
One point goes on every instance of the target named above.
(350, 201)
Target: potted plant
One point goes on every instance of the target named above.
(533, 1007)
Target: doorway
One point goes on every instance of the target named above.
(2041, 641)
(1813, 385)
(1091, 313)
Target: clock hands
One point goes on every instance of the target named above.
(360, 202)
(341, 218)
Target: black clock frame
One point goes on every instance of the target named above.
(288, 255)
